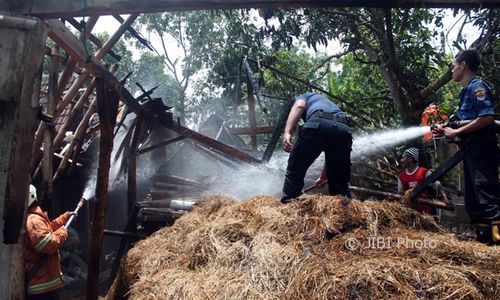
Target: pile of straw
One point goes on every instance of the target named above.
(313, 248)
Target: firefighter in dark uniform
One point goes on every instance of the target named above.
(325, 130)
(479, 145)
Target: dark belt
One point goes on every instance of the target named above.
(329, 116)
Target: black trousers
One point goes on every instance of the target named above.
(54, 295)
(482, 194)
(320, 135)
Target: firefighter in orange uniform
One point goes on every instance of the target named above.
(41, 250)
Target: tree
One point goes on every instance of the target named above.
(382, 40)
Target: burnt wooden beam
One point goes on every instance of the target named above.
(67, 8)
(252, 119)
(278, 130)
(135, 34)
(132, 164)
(107, 108)
(124, 234)
(433, 203)
(177, 187)
(81, 26)
(58, 32)
(212, 155)
(179, 180)
(438, 173)
(161, 144)
(246, 130)
(211, 143)
(48, 142)
(370, 179)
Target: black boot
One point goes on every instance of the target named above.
(483, 234)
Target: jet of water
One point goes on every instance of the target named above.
(89, 191)
(379, 141)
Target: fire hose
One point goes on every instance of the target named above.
(454, 123)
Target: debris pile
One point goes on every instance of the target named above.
(317, 247)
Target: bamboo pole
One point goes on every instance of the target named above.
(77, 137)
(107, 107)
(77, 108)
(68, 97)
(78, 84)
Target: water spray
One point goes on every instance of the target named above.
(378, 141)
(80, 204)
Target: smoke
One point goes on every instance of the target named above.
(253, 180)
(248, 181)
(114, 177)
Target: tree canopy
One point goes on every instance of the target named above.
(391, 64)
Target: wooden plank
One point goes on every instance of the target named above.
(66, 8)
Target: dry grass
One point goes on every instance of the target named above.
(261, 249)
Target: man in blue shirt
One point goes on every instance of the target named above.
(325, 130)
(479, 145)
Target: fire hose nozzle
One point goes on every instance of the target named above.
(78, 206)
(435, 126)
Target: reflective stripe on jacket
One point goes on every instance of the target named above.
(44, 238)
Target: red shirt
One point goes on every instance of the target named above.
(410, 181)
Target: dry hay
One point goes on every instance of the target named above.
(261, 249)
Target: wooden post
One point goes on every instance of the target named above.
(48, 149)
(21, 56)
(278, 130)
(252, 120)
(132, 165)
(107, 107)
